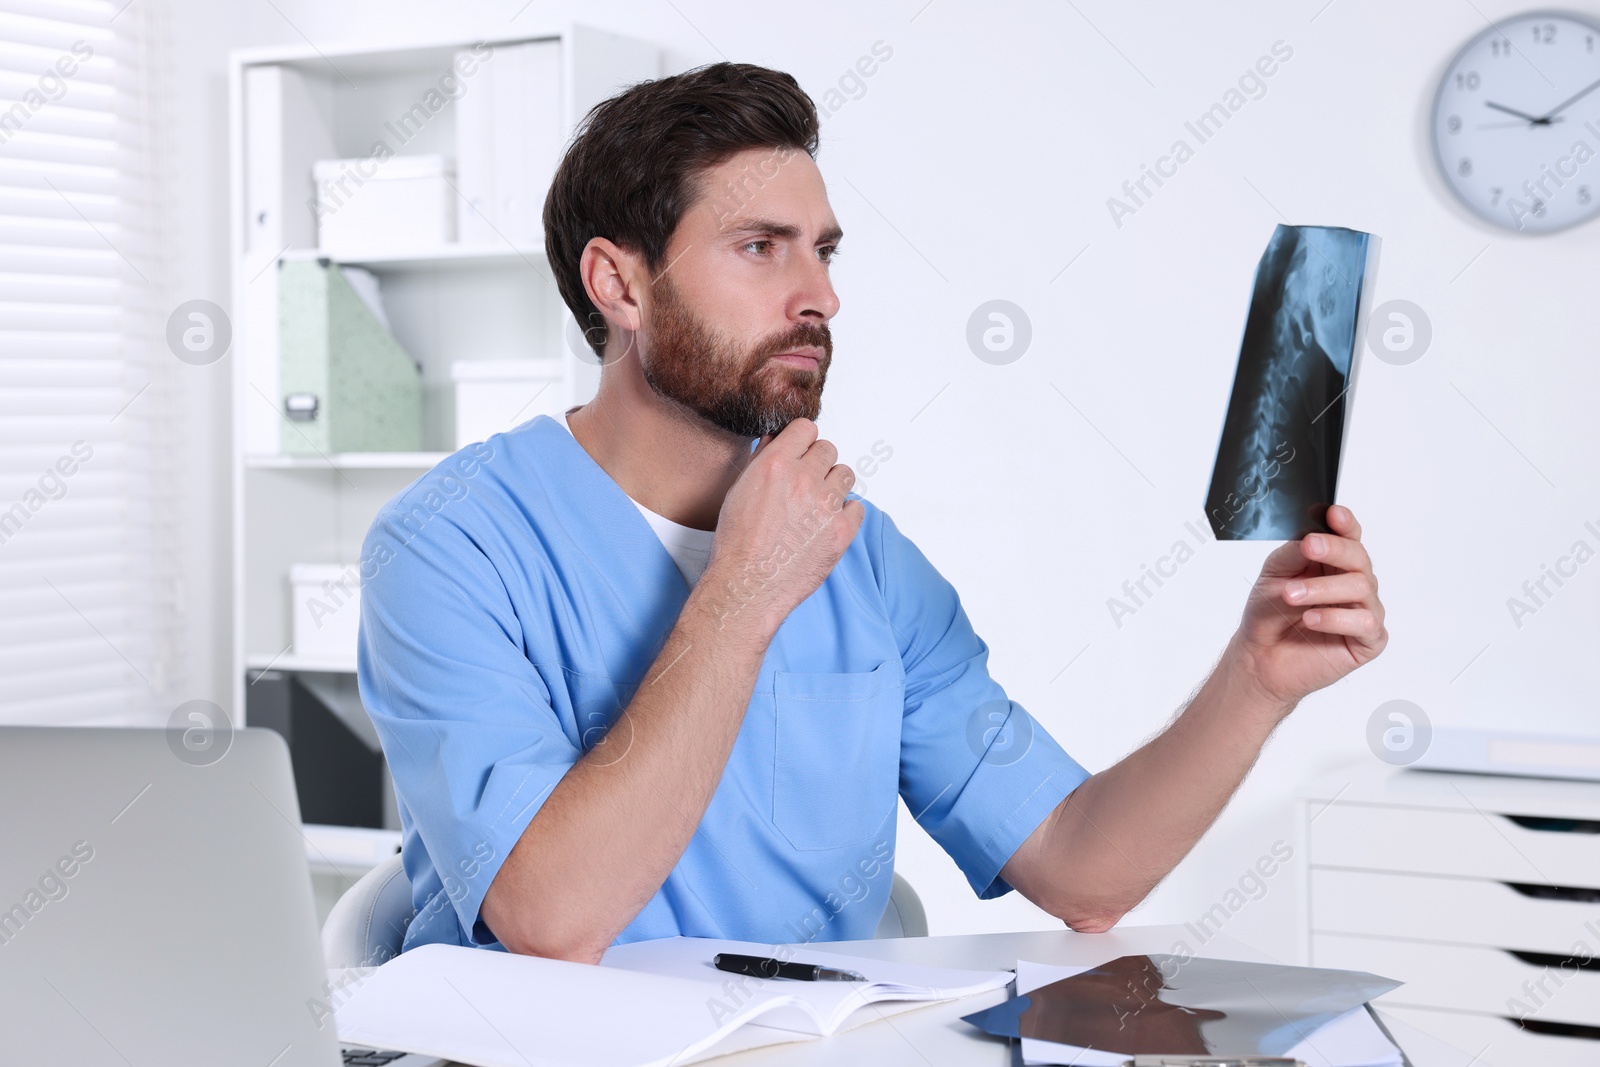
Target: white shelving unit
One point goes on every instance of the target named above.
(489, 298)
(349, 461)
(438, 258)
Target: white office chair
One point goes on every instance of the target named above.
(368, 924)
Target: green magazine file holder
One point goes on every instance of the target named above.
(346, 384)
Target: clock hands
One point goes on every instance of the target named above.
(1548, 117)
(1515, 122)
(1573, 99)
(1543, 120)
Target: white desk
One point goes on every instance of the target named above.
(936, 1037)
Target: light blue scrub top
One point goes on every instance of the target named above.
(512, 600)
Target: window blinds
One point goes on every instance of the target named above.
(87, 538)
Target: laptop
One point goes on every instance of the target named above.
(157, 910)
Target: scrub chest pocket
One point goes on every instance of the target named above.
(836, 764)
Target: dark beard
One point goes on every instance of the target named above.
(702, 370)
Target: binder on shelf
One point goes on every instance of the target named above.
(263, 159)
(508, 141)
(286, 125)
(347, 385)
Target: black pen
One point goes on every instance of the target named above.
(764, 967)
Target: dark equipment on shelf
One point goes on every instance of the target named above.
(339, 775)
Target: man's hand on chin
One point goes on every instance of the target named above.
(1313, 616)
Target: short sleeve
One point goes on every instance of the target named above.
(977, 772)
(464, 717)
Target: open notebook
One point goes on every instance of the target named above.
(649, 1003)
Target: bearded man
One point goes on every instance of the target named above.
(652, 669)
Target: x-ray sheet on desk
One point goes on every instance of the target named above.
(1185, 1005)
(1278, 461)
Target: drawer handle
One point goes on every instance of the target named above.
(1557, 892)
(1556, 960)
(1538, 1026)
(1556, 826)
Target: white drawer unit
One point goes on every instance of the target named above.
(1461, 977)
(1481, 893)
(1509, 1044)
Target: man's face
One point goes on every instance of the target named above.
(737, 324)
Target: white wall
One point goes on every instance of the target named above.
(977, 165)
(191, 40)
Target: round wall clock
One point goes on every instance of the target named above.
(1516, 122)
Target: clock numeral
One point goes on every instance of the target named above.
(1465, 167)
(1543, 33)
(1468, 81)
(1500, 47)
(1454, 123)
(1583, 194)
(1494, 196)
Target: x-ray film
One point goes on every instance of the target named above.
(1183, 1005)
(1278, 461)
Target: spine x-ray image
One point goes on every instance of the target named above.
(1278, 461)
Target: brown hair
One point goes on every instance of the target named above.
(630, 173)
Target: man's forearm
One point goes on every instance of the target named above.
(619, 820)
(1110, 842)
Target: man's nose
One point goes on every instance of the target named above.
(814, 299)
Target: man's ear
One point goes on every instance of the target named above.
(611, 276)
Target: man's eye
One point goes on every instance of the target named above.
(828, 253)
(762, 245)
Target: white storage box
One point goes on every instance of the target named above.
(367, 204)
(327, 611)
(494, 395)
